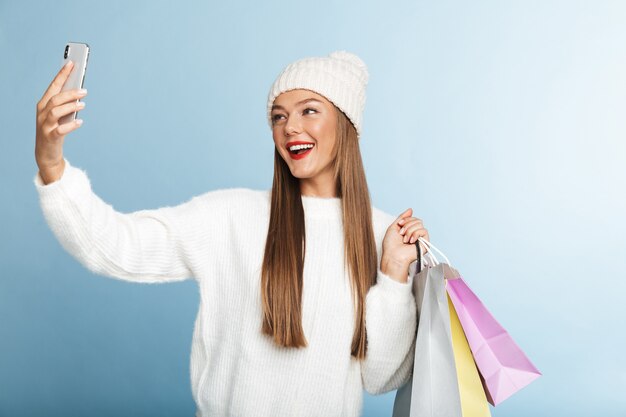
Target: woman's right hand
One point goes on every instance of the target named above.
(50, 135)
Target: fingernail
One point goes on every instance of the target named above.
(401, 221)
(81, 104)
(402, 230)
(68, 63)
(82, 92)
(412, 240)
(79, 121)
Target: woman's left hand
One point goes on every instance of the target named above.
(399, 248)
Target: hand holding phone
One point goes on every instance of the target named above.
(60, 101)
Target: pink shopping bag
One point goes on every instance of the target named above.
(503, 367)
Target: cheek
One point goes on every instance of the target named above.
(324, 132)
(327, 135)
(318, 130)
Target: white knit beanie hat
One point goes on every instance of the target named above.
(341, 77)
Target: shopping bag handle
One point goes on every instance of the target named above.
(426, 259)
(419, 257)
(431, 258)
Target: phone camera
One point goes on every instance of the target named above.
(67, 50)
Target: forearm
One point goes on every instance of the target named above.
(141, 246)
(391, 322)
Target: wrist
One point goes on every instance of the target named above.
(397, 269)
(52, 173)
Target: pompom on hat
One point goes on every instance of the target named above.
(341, 77)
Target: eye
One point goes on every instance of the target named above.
(275, 117)
(309, 108)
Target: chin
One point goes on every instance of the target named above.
(302, 175)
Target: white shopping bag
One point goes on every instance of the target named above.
(433, 389)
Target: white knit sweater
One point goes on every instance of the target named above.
(218, 239)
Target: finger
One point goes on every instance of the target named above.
(407, 213)
(65, 97)
(59, 111)
(413, 237)
(66, 128)
(419, 233)
(413, 233)
(56, 84)
(410, 223)
(404, 220)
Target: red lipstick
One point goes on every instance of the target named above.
(301, 155)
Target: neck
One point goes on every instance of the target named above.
(319, 186)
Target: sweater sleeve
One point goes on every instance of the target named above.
(391, 323)
(142, 246)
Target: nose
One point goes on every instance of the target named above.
(292, 127)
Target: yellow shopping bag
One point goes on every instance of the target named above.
(473, 397)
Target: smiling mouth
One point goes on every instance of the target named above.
(300, 148)
(300, 153)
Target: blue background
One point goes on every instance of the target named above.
(502, 124)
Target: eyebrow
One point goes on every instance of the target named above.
(306, 100)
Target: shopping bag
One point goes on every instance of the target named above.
(433, 388)
(444, 381)
(473, 398)
(503, 366)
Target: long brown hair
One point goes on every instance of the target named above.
(283, 262)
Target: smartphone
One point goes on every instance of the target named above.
(79, 54)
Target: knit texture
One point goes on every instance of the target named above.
(218, 239)
(341, 77)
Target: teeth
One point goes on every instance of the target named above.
(296, 147)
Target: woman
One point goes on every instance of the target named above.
(305, 298)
